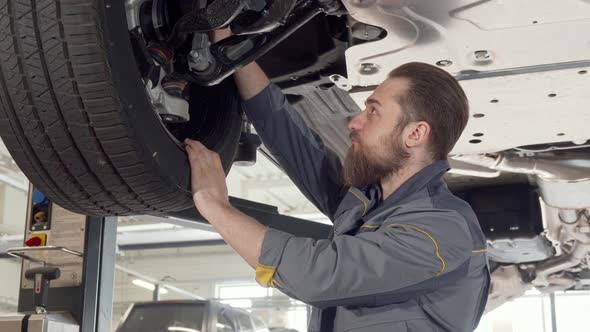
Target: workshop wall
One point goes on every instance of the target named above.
(12, 218)
(9, 281)
(13, 203)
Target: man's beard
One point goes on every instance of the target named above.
(364, 167)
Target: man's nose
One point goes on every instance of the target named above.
(356, 123)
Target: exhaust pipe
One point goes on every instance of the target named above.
(563, 169)
(564, 180)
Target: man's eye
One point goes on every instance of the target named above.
(372, 111)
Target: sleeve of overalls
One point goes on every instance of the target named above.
(407, 256)
(315, 169)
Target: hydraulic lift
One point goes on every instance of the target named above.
(68, 263)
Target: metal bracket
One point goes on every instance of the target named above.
(20, 252)
(237, 51)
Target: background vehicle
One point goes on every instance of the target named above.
(189, 316)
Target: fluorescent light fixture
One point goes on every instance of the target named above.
(181, 329)
(148, 285)
(146, 227)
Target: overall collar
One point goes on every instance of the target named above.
(416, 182)
(374, 194)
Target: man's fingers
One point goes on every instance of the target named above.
(200, 154)
(191, 143)
(192, 154)
(195, 148)
(198, 146)
(220, 34)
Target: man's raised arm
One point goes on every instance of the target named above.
(315, 169)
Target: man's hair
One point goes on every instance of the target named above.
(436, 97)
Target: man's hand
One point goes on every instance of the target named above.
(207, 178)
(241, 232)
(217, 35)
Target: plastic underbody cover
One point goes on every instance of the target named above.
(519, 250)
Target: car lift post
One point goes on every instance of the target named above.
(78, 252)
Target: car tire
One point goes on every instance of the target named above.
(76, 117)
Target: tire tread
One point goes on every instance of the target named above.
(61, 118)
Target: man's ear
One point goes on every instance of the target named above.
(417, 134)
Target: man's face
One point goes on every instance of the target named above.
(378, 148)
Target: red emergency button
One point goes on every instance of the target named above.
(36, 240)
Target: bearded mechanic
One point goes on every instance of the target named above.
(405, 254)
